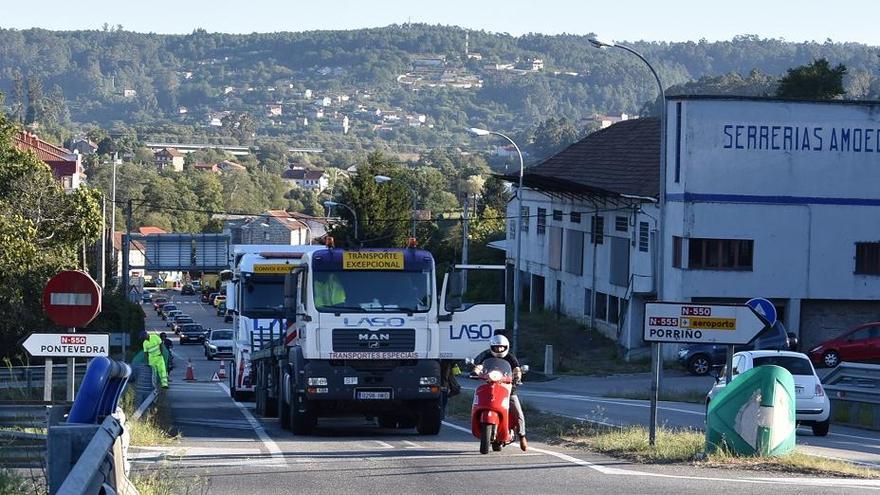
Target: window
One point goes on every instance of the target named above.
(575, 217)
(621, 224)
(720, 254)
(524, 213)
(644, 237)
(588, 301)
(557, 215)
(597, 229)
(676, 252)
(794, 365)
(613, 309)
(511, 229)
(601, 306)
(554, 258)
(574, 251)
(868, 258)
(265, 236)
(542, 221)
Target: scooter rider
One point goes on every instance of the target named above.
(499, 347)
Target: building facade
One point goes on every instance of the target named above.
(66, 165)
(765, 198)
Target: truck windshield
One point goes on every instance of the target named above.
(262, 296)
(373, 291)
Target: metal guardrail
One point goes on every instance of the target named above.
(854, 382)
(33, 376)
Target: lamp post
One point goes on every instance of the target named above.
(382, 179)
(331, 204)
(656, 357)
(518, 256)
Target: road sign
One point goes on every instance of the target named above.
(72, 299)
(764, 308)
(120, 339)
(700, 323)
(67, 344)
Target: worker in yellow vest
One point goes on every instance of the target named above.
(153, 353)
(328, 291)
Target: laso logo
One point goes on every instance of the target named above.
(376, 321)
(474, 331)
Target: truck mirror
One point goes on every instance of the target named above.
(290, 296)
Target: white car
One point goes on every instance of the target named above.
(219, 344)
(812, 407)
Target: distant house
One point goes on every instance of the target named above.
(498, 66)
(536, 64)
(307, 94)
(66, 166)
(277, 227)
(340, 124)
(182, 110)
(150, 230)
(207, 167)
(230, 166)
(129, 93)
(608, 120)
(324, 102)
(274, 110)
(169, 159)
(137, 256)
(83, 146)
(309, 179)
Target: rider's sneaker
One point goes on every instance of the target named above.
(523, 444)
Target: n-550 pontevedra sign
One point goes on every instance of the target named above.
(67, 344)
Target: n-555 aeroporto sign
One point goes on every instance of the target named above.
(67, 344)
(701, 323)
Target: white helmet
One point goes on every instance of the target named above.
(499, 346)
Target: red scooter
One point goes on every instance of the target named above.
(492, 421)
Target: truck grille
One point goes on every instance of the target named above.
(382, 340)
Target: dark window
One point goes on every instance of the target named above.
(542, 221)
(621, 224)
(868, 258)
(613, 309)
(557, 215)
(644, 237)
(588, 301)
(601, 306)
(794, 365)
(575, 217)
(676, 251)
(524, 213)
(720, 254)
(512, 229)
(597, 229)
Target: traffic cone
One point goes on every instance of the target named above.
(190, 376)
(222, 373)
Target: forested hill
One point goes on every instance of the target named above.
(503, 81)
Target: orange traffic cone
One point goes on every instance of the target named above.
(222, 373)
(190, 377)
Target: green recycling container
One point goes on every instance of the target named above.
(754, 414)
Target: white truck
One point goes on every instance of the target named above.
(360, 332)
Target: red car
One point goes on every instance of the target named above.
(861, 343)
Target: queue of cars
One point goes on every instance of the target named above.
(181, 323)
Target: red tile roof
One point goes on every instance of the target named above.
(62, 161)
(151, 230)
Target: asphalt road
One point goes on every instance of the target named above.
(228, 450)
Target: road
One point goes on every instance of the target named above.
(233, 452)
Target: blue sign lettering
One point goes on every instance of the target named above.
(474, 331)
(375, 321)
(800, 138)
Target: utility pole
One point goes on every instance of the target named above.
(126, 246)
(464, 231)
(102, 259)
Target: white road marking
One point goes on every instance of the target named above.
(830, 482)
(384, 445)
(411, 445)
(270, 445)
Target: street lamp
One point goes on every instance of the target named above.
(661, 248)
(382, 179)
(656, 357)
(330, 204)
(516, 261)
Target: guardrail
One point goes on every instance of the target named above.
(854, 390)
(33, 376)
(23, 426)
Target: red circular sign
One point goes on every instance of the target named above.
(72, 299)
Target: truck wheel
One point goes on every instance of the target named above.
(283, 407)
(430, 418)
(302, 422)
(387, 421)
(485, 437)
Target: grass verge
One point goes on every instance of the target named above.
(672, 446)
(692, 396)
(155, 427)
(162, 481)
(13, 484)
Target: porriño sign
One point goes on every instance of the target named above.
(700, 323)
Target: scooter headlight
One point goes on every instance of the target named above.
(495, 376)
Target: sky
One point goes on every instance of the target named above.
(620, 20)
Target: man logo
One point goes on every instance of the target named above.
(374, 337)
(373, 345)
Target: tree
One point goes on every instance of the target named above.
(35, 100)
(552, 135)
(815, 81)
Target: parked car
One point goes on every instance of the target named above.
(812, 407)
(221, 308)
(158, 302)
(197, 284)
(218, 300)
(218, 344)
(860, 343)
(166, 309)
(212, 297)
(191, 332)
(168, 315)
(187, 290)
(205, 296)
(179, 321)
(699, 359)
(176, 317)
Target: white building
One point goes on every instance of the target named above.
(765, 198)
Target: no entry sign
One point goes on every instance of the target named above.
(72, 299)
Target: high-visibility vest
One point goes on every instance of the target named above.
(329, 293)
(153, 345)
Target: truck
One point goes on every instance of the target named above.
(361, 331)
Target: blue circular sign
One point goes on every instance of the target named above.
(764, 308)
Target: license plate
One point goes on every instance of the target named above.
(798, 390)
(350, 380)
(374, 395)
